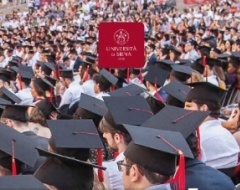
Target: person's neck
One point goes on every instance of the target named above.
(22, 128)
(209, 118)
(121, 148)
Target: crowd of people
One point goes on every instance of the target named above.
(67, 123)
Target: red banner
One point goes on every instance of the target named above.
(196, 2)
(121, 45)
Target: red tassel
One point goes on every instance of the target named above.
(157, 93)
(20, 82)
(51, 95)
(14, 167)
(85, 75)
(180, 174)
(128, 75)
(115, 154)
(198, 143)
(99, 161)
(205, 64)
(112, 88)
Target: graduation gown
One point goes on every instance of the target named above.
(232, 96)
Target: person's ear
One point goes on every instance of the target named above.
(117, 138)
(204, 107)
(134, 174)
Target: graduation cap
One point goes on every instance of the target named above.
(162, 148)
(108, 76)
(177, 90)
(21, 182)
(51, 80)
(156, 76)
(198, 66)
(75, 134)
(92, 104)
(223, 56)
(17, 58)
(216, 50)
(47, 67)
(66, 73)
(13, 63)
(181, 72)
(43, 83)
(3, 101)
(132, 110)
(6, 94)
(205, 91)
(56, 166)
(177, 119)
(165, 64)
(88, 61)
(205, 50)
(15, 112)
(175, 49)
(5, 75)
(155, 104)
(235, 59)
(129, 90)
(18, 146)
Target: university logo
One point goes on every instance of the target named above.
(121, 37)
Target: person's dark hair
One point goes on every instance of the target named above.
(85, 114)
(104, 126)
(153, 178)
(26, 81)
(104, 85)
(38, 89)
(192, 143)
(213, 107)
(36, 116)
(172, 101)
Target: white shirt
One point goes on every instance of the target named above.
(219, 149)
(72, 94)
(26, 96)
(100, 95)
(212, 79)
(88, 87)
(112, 176)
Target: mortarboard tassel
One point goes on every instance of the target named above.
(99, 161)
(112, 88)
(51, 95)
(179, 177)
(58, 71)
(14, 167)
(157, 93)
(204, 64)
(85, 75)
(115, 154)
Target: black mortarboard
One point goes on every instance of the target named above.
(5, 75)
(161, 147)
(205, 50)
(155, 104)
(156, 76)
(66, 73)
(43, 83)
(14, 142)
(51, 80)
(93, 105)
(198, 66)
(223, 56)
(205, 91)
(177, 89)
(17, 58)
(177, 119)
(6, 94)
(64, 172)
(107, 75)
(165, 64)
(174, 49)
(235, 59)
(13, 63)
(181, 72)
(216, 50)
(75, 134)
(89, 61)
(135, 71)
(47, 67)
(25, 72)
(211, 40)
(130, 90)
(15, 112)
(132, 110)
(21, 182)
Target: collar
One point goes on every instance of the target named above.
(191, 162)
